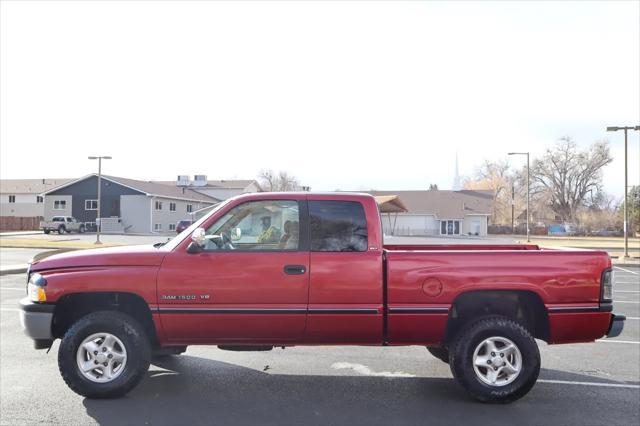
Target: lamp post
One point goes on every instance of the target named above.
(98, 217)
(527, 154)
(626, 217)
(513, 207)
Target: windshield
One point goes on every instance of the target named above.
(175, 241)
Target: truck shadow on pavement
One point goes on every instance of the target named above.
(194, 391)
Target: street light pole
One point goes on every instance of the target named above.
(528, 228)
(625, 226)
(98, 216)
(513, 206)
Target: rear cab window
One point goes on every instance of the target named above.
(337, 226)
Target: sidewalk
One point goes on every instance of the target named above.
(44, 244)
(13, 269)
(17, 233)
(616, 261)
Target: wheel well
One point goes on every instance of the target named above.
(525, 307)
(72, 307)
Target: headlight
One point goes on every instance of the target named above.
(35, 288)
(607, 286)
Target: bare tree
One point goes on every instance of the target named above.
(271, 181)
(267, 180)
(567, 174)
(494, 176)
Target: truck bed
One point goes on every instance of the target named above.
(449, 247)
(424, 282)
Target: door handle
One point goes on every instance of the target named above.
(294, 269)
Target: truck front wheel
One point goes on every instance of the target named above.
(46, 231)
(61, 229)
(104, 355)
(495, 359)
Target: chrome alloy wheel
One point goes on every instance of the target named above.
(497, 361)
(101, 357)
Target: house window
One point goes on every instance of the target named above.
(172, 227)
(189, 208)
(157, 227)
(39, 199)
(12, 198)
(91, 204)
(172, 207)
(59, 204)
(450, 227)
(158, 205)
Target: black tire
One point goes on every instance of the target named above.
(461, 359)
(125, 328)
(61, 230)
(46, 231)
(439, 352)
(160, 353)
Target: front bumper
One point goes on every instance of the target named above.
(616, 325)
(37, 320)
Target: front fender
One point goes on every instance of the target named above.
(138, 280)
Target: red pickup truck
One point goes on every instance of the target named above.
(268, 270)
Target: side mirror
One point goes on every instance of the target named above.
(199, 237)
(236, 234)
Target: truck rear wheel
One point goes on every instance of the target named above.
(81, 229)
(61, 229)
(46, 231)
(495, 359)
(104, 355)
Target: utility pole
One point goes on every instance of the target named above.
(513, 207)
(98, 215)
(528, 228)
(626, 200)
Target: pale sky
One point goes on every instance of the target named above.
(348, 95)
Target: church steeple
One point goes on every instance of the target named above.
(457, 184)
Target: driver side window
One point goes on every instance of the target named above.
(269, 225)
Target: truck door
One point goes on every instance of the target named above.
(251, 282)
(346, 287)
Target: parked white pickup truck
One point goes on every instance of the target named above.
(62, 224)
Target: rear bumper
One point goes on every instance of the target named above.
(36, 319)
(616, 325)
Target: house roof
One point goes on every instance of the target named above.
(443, 204)
(153, 189)
(29, 186)
(390, 204)
(222, 184)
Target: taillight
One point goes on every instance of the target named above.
(606, 285)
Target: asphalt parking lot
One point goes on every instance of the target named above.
(583, 384)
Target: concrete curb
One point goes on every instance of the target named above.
(13, 270)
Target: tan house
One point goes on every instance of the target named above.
(24, 197)
(438, 212)
(22, 202)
